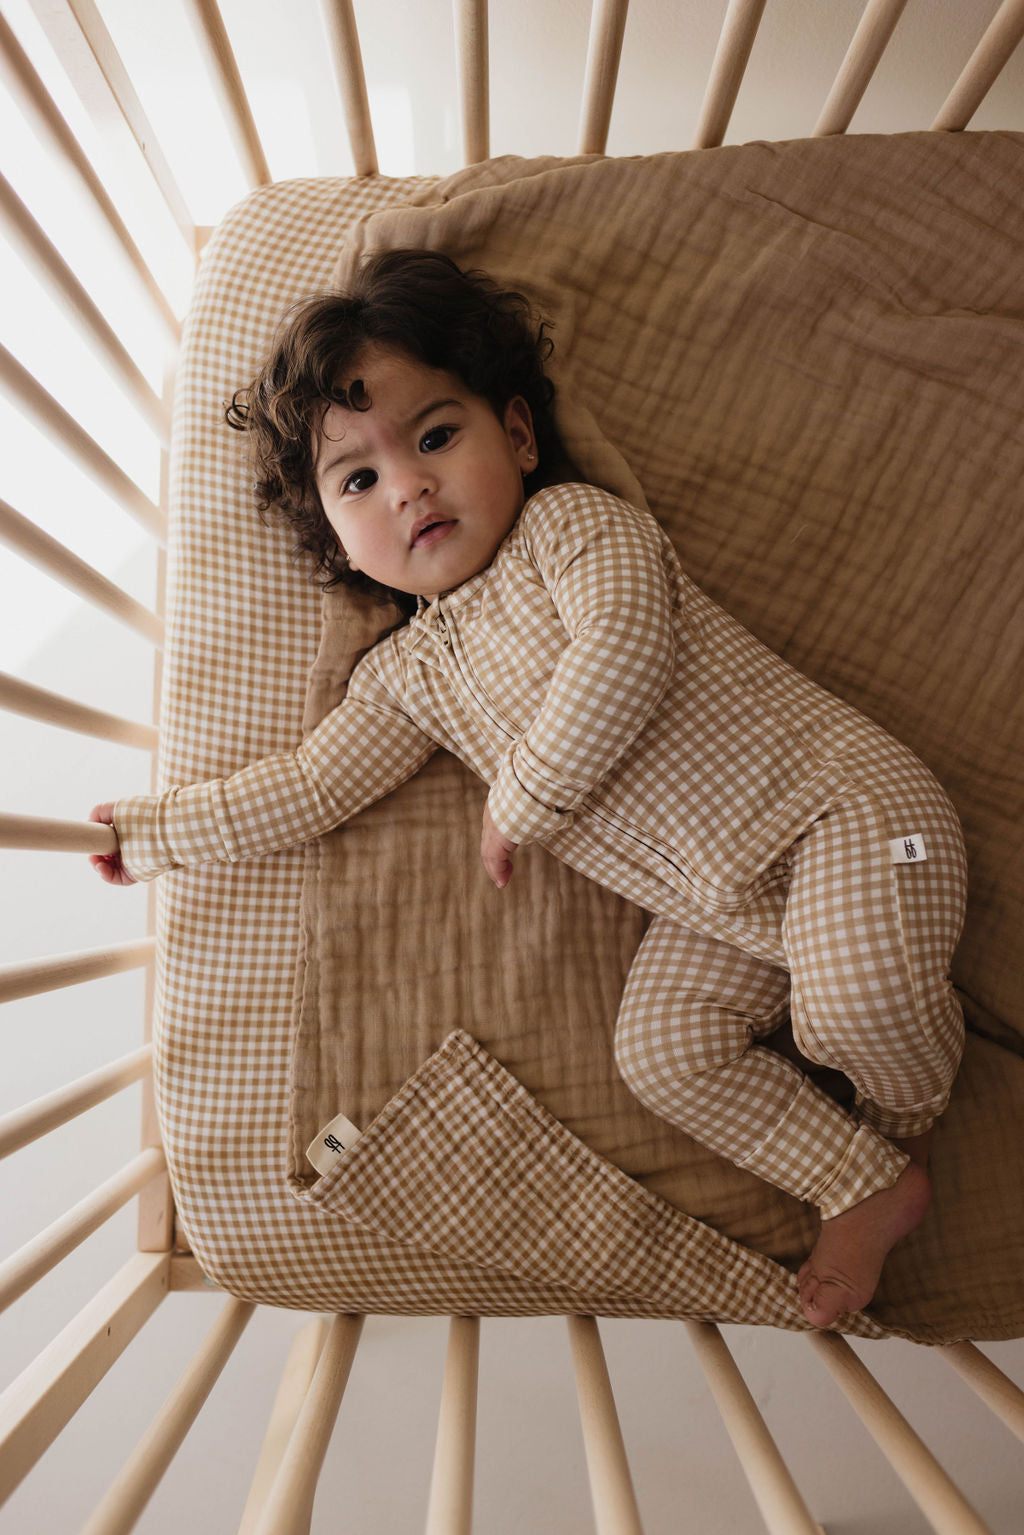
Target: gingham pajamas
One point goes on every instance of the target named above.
(642, 735)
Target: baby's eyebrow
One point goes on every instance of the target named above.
(350, 452)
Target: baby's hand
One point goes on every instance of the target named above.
(109, 866)
(496, 852)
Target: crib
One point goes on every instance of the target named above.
(90, 379)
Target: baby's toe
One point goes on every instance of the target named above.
(823, 1299)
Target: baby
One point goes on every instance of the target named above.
(799, 864)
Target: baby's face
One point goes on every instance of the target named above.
(422, 488)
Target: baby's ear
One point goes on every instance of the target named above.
(519, 429)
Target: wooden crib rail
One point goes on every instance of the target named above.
(33, 1120)
(57, 424)
(227, 80)
(43, 114)
(604, 52)
(450, 1509)
(134, 1486)
(26, 1267)
(50, 555)
(45, 834)
(313, 1387)
(42, 256)
(343, 37)
(33, 977)
(471, 51)
(42, 1401)
(288, 1509)
(45, 1396)
(92, 38)
(1001, 39)
(741, 24)
(870, 41)
(50, 708)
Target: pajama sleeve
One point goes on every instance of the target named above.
(363, 749)
(607, 570)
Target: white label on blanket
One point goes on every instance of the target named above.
(908, 849)
(332, 1142)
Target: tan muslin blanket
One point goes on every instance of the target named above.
(809, 357)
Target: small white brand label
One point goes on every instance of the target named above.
(908, 849)
(332, 1142)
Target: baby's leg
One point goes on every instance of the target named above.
(686, 1044)
(870, 943)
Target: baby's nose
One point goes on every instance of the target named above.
(408, 487)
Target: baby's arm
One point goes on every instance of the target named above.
(364, 748)
(608, 572)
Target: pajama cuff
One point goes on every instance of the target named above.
(897, 1126)
(869, 1164)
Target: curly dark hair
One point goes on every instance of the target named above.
(424, 305)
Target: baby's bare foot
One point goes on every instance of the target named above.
(846, 1261)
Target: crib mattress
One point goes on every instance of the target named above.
(804, 356)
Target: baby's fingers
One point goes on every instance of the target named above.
(496, 852)
(109, 866)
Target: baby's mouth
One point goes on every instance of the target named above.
(429, 531)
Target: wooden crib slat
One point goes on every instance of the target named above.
(50, 555)
(1000, 40)
(87, 39)
(22, 1269)
(291, 1393)
(140, 1476)
(156, 1213)
(227, 81)
(471, 53)
(36, 703)
(41, 834)
(611, 1486)
(604, 52)
(937, 1496)
(870, 41)
(739, 30)
(23, 1126)
(34, 100)
(778, 1498)
(340, 24)
(46, 1395)
(46, 262)
(61, 427)
(289, 1508)
(34, 977)
(450, 1510)
(996, 1390)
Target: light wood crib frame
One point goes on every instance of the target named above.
(45, 1396)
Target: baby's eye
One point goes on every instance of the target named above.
(359, 479)
(438, 437)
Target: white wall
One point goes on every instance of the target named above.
(531, 1475)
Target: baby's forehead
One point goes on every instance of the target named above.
(388, 371)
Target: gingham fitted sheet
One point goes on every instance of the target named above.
(497, 1172)
(244, 629)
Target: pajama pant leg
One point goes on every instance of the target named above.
(691, 1014)
(869, 944)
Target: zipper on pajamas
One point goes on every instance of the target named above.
(473, 685)
(702, 890)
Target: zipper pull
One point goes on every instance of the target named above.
(442, 629)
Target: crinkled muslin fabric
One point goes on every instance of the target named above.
(807, 356)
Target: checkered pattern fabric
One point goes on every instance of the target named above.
(244, 631)
(807, 352)
(615, 708)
